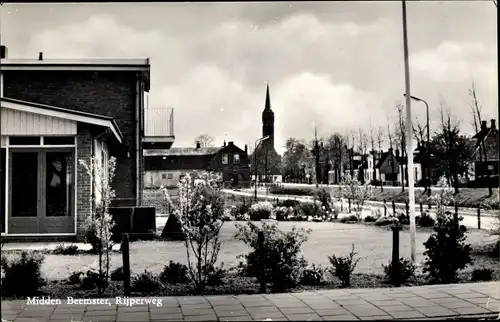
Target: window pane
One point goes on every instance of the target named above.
(24, 140)
(58, 186)
(24, 184)
(58, 140)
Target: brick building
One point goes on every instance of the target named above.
(166, 167)
(54, 113)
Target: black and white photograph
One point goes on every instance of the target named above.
(249, 161)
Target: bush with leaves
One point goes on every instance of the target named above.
(280, 253)
(261, 210)
(23, 274)
(117, 274)
(443, 198)
(400, 272)
(385, 221)
(482, 274)
(370, 218)
(343, 266)
(446, 252)
(199, 210)
(174, 273)
(146, 282)
(425, 220)
(282, 213)
(313, 275)
(65, 250)
(99, 222)
(75, 277)
(216, 275)
(309, 210)
(290, 203)
(349, 218)
(324, 196)
(351, 188)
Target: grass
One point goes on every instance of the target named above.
(374, 245)
(467, 197)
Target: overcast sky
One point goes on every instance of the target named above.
(335, 64)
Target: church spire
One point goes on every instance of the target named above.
(268, 99)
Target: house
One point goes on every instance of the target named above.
(486, 162)
(389, 168)
(53, 114)
(166, 167)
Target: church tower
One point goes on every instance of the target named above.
(268, 122)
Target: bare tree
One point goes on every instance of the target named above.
(373, 152)
(419, 132)
(205, 140)
(380, 142)
(363, 149)
(401, 141)
(476, 109)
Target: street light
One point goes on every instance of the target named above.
(411, 184)
(255, 161)
(428, 143)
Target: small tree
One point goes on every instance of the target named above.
(443, 198)
(351, 188)
(200, 211)
(100, 223)
(446, 250)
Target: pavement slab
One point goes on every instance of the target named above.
(422, 302)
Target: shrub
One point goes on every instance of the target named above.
(400, 272)
(199, 210)
(174, 273)
(290, 203)
(370, 218)
(294, 191)
(343, 266)
(145, 282)
(325, 198)
(280, 254)
(313, 275)
(425, 220)
(261, 210)
(216, 275)
(23, 275)
(118, 274)
(75, 277)
(351, 188)
(403, 218)
(242, 212)
(384, 221)
(282, 213)
(446, 252)
(349, 218)
(65, 250)
(482, 274)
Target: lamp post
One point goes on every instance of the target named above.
(255, 162)
(428, 143)
(411, 184)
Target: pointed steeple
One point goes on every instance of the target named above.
(268, 99)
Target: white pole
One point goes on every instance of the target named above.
(409, 139)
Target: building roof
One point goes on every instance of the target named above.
(64, 113)
(142, 65)
(182, 151)
(384, 155)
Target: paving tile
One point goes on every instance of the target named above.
(352, 302)
(342, 298)
(192, 300)
(132, 316)
(236, 318)
(30, 319)
(103, 318)
(395, 308)
(348, 317)
(67, 316)
(101, 307)
(416, 302)
(406, 314)
(100, 313)
(323, 305)
(435, 311)
(385, 302)
(165, 310)
(446, 300)
(258, 310)
(133, 308)
(457, 304)
(471, 310)
(283, 304)
(480, 300)
(258, 304)
(296, 310)
(332, 312)
(266, 315)
(365, 311)
(304, 317)
(201, 318)
(378, 317)
(171, 316)
(8, 317)
(197, 306)
(35, 314)
(198, 312)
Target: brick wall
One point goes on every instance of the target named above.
(111, 93)
(83, 184)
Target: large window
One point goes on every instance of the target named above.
(236, 158)
(3, 177)
(225, 158)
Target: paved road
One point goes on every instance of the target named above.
(422, 302)
(470, 218)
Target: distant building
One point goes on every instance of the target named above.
(166, 167)
(486, 162)
(391, 167)
(268, 160)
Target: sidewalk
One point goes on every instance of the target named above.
(422, 302)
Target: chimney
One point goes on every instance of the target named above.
(483, 126)
(198, 144)
(397, 153)
(40, 56)
(224, 143)
(3, 52)
(493, 124)
(230, 143)
(246, 148)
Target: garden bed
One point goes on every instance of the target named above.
(235, 284)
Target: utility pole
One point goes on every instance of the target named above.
(316, 154)
(409, 146)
